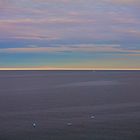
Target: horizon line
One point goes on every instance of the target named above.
(61, 68)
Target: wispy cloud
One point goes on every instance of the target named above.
(132, 54)
(62, 20)
(76, 19)
(125, 1)
(71, 48)
(128, 32)
(110, 1)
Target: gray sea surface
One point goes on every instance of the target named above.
(69, 105)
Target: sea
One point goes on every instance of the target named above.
(70, 105)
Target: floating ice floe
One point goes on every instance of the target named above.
(92, 117)
(69, 124)
(34, 124)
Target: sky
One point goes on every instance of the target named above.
(78, 34)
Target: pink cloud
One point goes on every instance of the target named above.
(129, 31)
(125, 1)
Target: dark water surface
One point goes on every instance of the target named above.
(62, 104)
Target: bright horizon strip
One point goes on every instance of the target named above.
(53, 68)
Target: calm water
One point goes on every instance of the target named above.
(54, 99)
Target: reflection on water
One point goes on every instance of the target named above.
(90, 83)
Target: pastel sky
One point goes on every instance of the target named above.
(70, 34)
